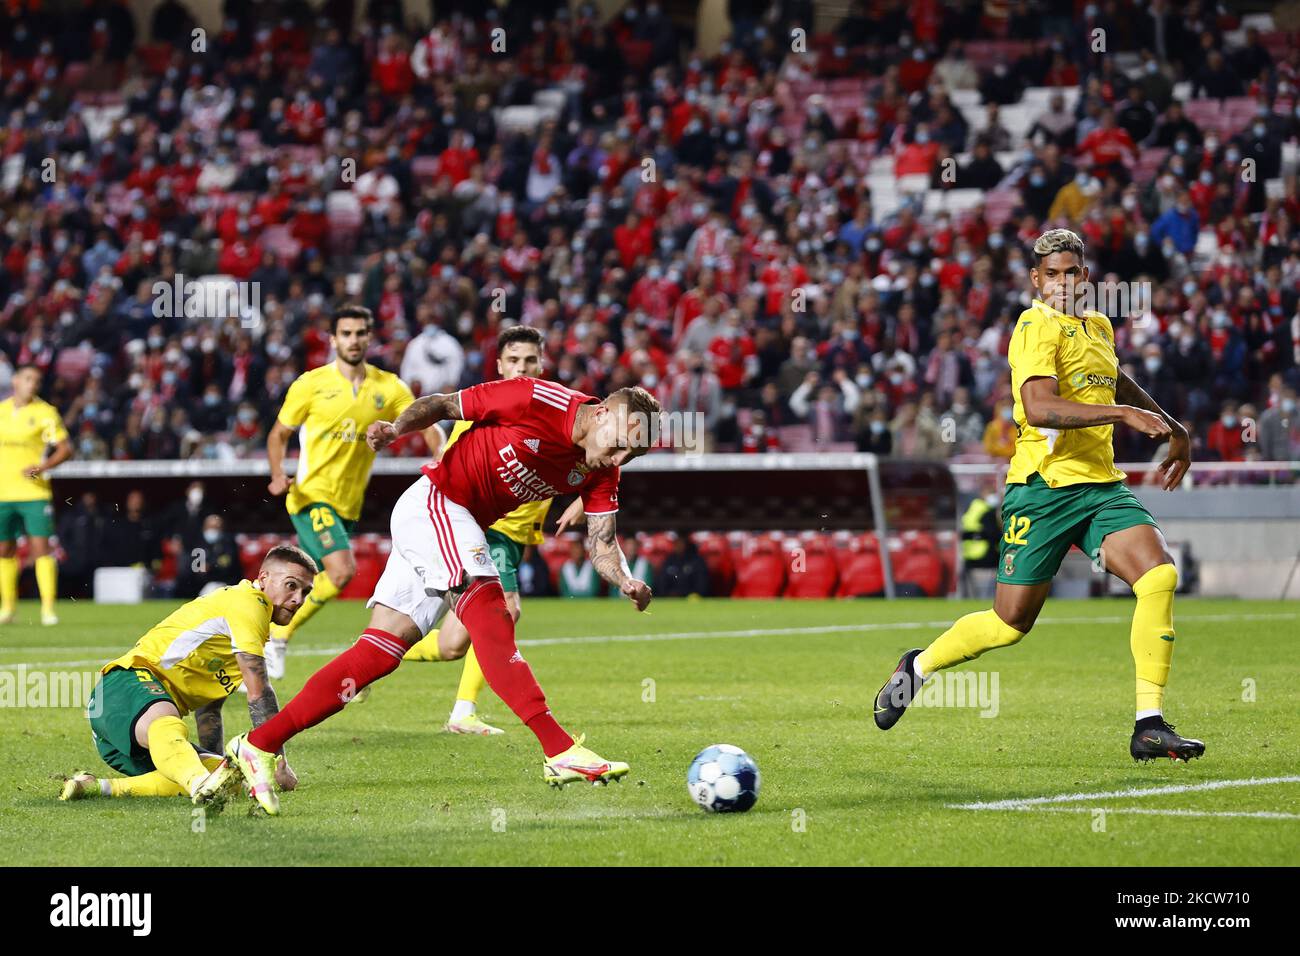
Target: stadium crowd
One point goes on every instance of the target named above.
(679, 220)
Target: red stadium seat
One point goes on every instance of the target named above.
(862, 576)
(716, 552)
(815, 573)
(762, 575)
(921, 569)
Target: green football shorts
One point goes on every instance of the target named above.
(1040, 523)
(507, 554)
(322, 531)
(33, 518)
(119, 698)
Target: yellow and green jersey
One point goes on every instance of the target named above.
(331, 417)
(192, 650)
(25, 433)
(524, 524)
(1080, 354)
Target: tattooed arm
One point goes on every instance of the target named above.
(211, 733)
(608, 560)
(419, 415)
(262, 706)
(1179, 457)
(1045, 408)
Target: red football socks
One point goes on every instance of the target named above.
(482, 609)
(375, 654)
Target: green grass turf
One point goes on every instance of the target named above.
(379, 785)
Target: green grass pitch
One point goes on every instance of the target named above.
(791, 682)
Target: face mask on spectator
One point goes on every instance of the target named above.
(87, 446)
(211, 400)
(211, 535)
(247, 415)
(1152, 363)
(1233, 156)
(964, 258)
(1189, 288)
(169, 377)
(1037, 180)
(1229, 420)
(1259, 129)
(877, 427)
(1007, 414)
(1288, 406)
(1182, 146)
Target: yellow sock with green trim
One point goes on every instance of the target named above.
(47, 581)
(170, 750)
(425, 649)
(472, 680)
(153, 784)
(322, 592)
(1152, 637)
(966, 640)
(8, 585)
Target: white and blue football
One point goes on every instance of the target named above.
(723, 779)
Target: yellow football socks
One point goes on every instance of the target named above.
(966, 640)
(153, 784)
(170, 750)
(425, 649)
(8, 585)
(1152, 637)
(322, 592)
(47, 581)
(472, 680)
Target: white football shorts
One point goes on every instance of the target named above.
(437, 548)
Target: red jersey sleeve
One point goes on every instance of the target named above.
(500, 401)
(600, 493)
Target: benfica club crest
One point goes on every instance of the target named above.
(575, 477)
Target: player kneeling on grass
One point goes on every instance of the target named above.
(1063, 489)
(531, 439)
(192, 660)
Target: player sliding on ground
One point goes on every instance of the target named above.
(331, 407)
(1063, 488)
(531, 439)
(192, 660)
(519, 352)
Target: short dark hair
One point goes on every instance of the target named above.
(291, 554)
(519, 333)
(351, 312)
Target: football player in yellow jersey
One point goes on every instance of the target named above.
(330, 407)
(519, 352)
(1063, 489)
(190, 662)
(29, 428)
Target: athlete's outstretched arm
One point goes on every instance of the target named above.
(1045, 408)
(211, 732)
(1179, 458)
(419, 415)
(608, 560)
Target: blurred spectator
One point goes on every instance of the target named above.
(84, 539)
(1000, 433)
(578, 579)
(638, 565)
(1279, 429)
(1224, 440)
(136, 536)
(212, 563)
(684, 571)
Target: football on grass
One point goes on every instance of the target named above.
(723, 779)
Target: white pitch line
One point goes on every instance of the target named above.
(1171, 812)
(1026, 803)
(708, 635)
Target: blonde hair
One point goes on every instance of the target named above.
(1058, 240)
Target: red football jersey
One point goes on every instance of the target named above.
(520, 449)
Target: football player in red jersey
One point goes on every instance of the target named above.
(531, 440)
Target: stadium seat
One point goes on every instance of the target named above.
(762, 575)
(716, 552)
(922, 569)
(862, 575)
(815, 573)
